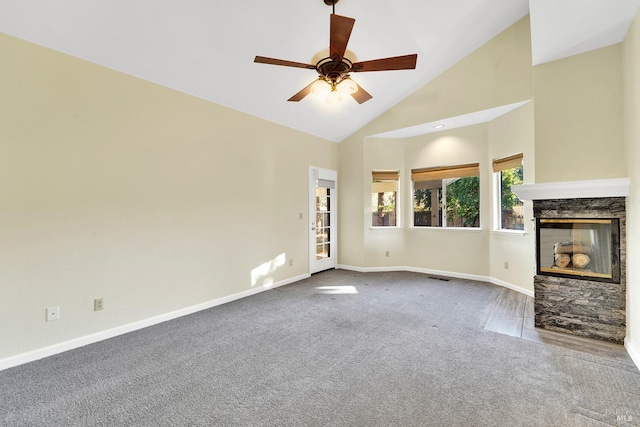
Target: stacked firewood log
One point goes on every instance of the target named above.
(572, 255)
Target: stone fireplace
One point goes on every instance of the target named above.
(580, 280)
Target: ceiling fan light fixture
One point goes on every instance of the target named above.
(347, 86)
(320, 87)
(334, 97)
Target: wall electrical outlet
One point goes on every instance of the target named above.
(53, 313)
(290, 262)
(506, 265)
(386, 253)
(98, 304)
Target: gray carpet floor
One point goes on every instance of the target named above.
(338, 349)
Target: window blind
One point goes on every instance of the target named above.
(384, 187)
(505, 163)
(325, 183)
(385, 175)
(444, 172)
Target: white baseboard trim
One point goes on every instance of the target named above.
(413, 270)
(512, 287)
(453, 274)
(439, 273)
(633, 348)
(367, 269)
(51, 350)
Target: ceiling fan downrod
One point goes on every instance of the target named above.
(331, 3)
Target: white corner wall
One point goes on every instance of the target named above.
(631, 81)
(512, 254)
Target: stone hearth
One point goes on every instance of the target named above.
(577, 305)
(583, 307)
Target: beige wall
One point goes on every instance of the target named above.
(510, 134)
(496, 74)
(631, 61)
(384, 154)
(579, 118)
(350, 204)
(117, 188)
(456, 251)
(481, 253)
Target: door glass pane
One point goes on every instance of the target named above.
(321, 204)
(326, 219)
(320, 220)
(323, 223)
(323, 251)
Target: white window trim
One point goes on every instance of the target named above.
(497, 205)
(497, 208)
(444, 212)
(398, 212)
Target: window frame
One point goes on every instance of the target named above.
(444, 174)
(389, 176)
(499, 165)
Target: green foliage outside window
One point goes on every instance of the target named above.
(422, 200)
(510, 204)
(510, 177)
(463, 202)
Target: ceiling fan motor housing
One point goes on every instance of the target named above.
(334, 69)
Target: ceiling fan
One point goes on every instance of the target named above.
(333, 71)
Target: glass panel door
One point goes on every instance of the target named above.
(323, 223)
(322, 214)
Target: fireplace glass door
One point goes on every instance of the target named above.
(579, 248)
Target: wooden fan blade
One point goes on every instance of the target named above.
(361, 95)
(304, 92)
(340, 32)
(273, 61)
(405, 62)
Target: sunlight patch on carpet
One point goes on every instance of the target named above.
(337, 290)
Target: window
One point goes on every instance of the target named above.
(446, 196)
(384, 193)
(509, 172)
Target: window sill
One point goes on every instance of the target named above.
(473, 229)
(513, 232)
(396, 227)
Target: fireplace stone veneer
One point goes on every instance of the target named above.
(579, 306)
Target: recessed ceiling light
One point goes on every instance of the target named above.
(438, 126)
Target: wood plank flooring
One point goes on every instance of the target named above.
(513, 314)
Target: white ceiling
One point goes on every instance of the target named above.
(206, 48)
(561, 28)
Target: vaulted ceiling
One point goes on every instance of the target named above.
(206, 48)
